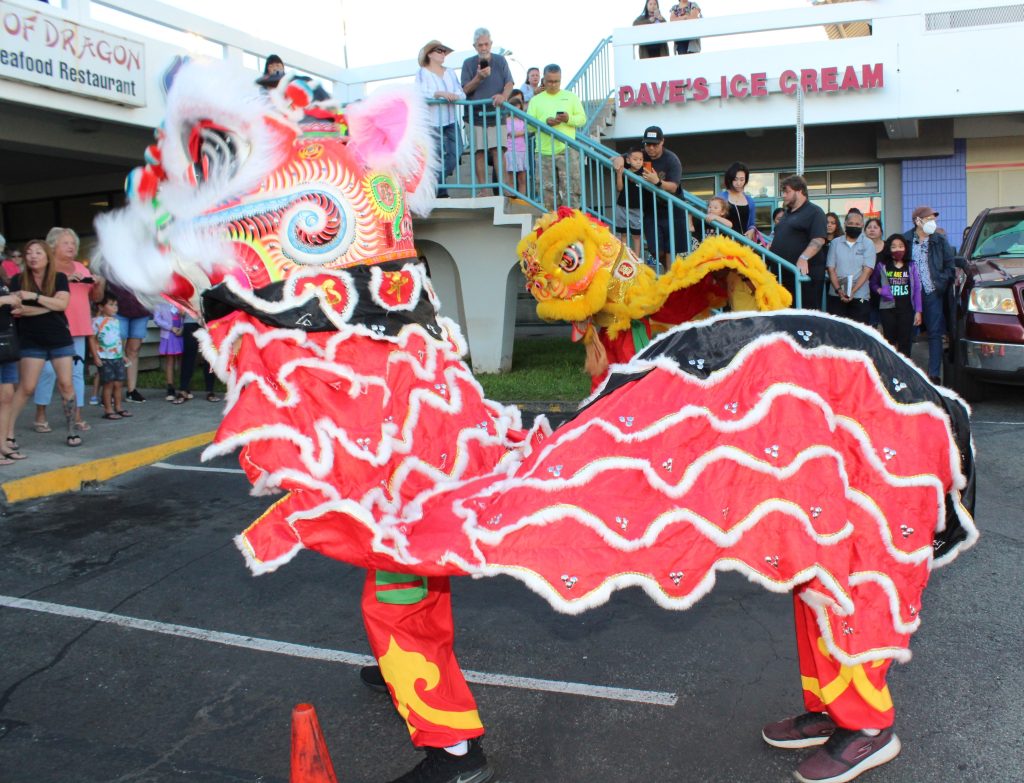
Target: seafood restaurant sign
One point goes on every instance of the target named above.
(738, 86)
(49, 51)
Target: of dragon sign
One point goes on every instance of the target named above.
(796, 448)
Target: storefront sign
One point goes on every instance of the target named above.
(754, 85)
(49, 51)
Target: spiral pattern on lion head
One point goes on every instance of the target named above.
(316, 228)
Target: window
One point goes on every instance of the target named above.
(704, 187)
(853, 181)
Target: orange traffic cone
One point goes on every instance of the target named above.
(311, 763)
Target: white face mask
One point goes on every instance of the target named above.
(928, 227)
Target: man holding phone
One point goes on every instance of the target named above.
(560, 163)
(485, 75)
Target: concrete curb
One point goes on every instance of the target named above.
(72, 478)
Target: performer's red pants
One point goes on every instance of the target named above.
(409, 624)
(855, 697)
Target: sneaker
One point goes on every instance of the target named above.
(134, 396)
(847, 754)
(440, 766)
(373, 679)
(803, 731)
(94, 400)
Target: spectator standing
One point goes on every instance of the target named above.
(8, 375)
(516, 155)
(11, 265)
(628, 215)
(651, 15)
(273, 72)
(43, 333)
(108, 354)
(189, 355)
(559, 163)
(851, 260)
(531, 86)
(832, 226)
(133, 319)
(485, 76)
(684, 12)
(168, 318)
(932, 255)
(898, 286)
(663, 171)
(85, 288)
(873, 231)
(741, 211)
(436, 81)
(799, 237)
(776, 217)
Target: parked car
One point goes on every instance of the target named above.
(987, 324)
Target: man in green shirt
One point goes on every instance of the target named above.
(560, 164)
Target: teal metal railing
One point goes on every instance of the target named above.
(594, 83)
(579, 173)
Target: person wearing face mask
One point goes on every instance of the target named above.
(932, 257)
(851, 260)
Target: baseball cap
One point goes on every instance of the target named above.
(653, 135)
(920, 212)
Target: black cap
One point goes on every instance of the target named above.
(653, 135)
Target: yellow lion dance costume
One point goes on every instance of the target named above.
(579, 272)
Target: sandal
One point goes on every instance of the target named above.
(41, 426)
(111, 416)
(82, 426)
(5, 461)
(124, 414)
(12, 444)
(74, 440)
(179, 401)
(211, 397)
(187, 395)
(13, 454)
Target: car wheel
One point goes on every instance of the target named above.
(959, 379)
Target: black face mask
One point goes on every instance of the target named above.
(853, 231)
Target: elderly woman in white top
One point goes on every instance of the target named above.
(436, 81)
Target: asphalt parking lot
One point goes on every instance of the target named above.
(136, 647)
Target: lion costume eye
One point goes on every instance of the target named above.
(572, 257)
(216, 152)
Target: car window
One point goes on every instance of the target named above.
(1001, 235)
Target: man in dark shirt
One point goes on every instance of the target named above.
(485, 75)
(665, 229)
(799, 238)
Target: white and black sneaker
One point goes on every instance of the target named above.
(440, 766)
(134, 396)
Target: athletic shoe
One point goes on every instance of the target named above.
(373, 679)
(440, 766)
(94, 400)
(847, 754)
(134, 396)
(803, 731)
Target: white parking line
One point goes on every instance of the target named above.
(657, 698)
(199, 468)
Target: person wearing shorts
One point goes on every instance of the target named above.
(108, 354)
(485, 76)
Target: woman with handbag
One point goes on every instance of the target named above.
(8, 372)
(43, 331)
(742, 212)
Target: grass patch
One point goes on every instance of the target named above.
(543, 368)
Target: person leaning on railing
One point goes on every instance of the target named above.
(485, 75)
(436, 81)
(651, 15)
(562, 111)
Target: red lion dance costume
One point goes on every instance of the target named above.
(795, 448)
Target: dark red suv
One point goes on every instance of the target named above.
(987, 326)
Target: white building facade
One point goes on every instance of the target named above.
(903, 102)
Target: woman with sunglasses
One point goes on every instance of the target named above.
(440, 83)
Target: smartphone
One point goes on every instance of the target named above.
(648, 166)
(485, 63)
